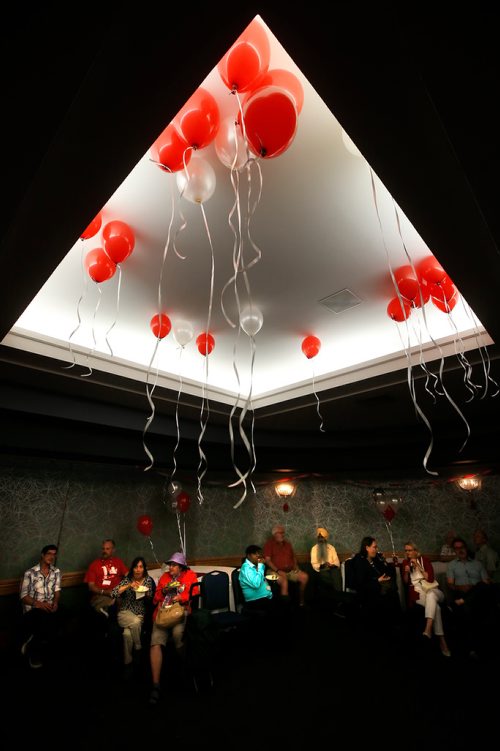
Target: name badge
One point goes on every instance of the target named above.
(106, 582)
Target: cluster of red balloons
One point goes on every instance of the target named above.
(194, 127)
(311, 345)
(273, 98)
(429, 281)
(118, 241)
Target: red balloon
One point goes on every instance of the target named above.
(183, 502)
(245, 62)
(431, 270)
(389, 514)
(396, 312)
(443, 291)
(145, 525)
(205, 343)
(407, 282)
(199, 119)
(160, 325)
(93, 228)
(311, 345)
(99, 265)
(169, 150)
(285, 80)
(446, 305)
(422, 297)
(118, 240)
(270, 118)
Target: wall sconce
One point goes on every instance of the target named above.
(469, 482)
(285, 490)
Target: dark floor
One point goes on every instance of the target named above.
(329, 681)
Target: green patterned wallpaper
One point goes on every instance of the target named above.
(81, 503)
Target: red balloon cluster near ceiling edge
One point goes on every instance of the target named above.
(118, 241)
(429, 281)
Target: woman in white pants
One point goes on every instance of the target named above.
(418, 574)
(132, 594)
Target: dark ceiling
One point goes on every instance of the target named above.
(417, 91)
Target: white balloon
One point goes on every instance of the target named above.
(197, 181)
(229, 143)
(251, 320)
(183, 332)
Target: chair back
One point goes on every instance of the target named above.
(349, 577)
(215, 590)
(239, 600)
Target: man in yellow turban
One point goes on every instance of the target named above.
(323, 555)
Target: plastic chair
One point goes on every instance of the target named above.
(215, 598)
(239, 600)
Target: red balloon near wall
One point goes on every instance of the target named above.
(285, 80)
(160, 325)
(443, 291)
(311, 345)
(422, 297)
(270, 118)
(389, 514)
(396, 312)
(145, 525)
(99, 265)
(431, 270)
(407, 282)
(169, 150)
(247, 60)
(93, 228)
(118, 239)
(446, 305)
(199, 119)
(205, 343)
(183, 502)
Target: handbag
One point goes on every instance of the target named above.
(169, 615)
(427, 586)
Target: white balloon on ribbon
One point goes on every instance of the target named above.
(183, 332)
(251, 320)
(230, 144)
(197, 181)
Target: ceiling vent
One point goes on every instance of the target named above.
(340, 301)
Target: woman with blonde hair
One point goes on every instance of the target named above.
(418, 574)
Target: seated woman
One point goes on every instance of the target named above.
(174, 586)
(131, 594)
(255, 588)
(374, 581)
(416, 570)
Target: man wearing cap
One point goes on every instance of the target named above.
(174, 586)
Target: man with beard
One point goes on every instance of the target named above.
(324, 558)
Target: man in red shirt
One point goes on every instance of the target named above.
(103, 575)
(280, 557)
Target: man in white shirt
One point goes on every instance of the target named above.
(326, 563)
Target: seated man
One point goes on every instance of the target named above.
(473, 597)
(255, 588)
(325, 561)
(40, 593)
(486, 554)
(103, 575)
(280, 557)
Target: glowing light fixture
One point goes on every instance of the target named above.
(469, 482)
(285, 489)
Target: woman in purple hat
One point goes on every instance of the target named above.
(174, 586)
